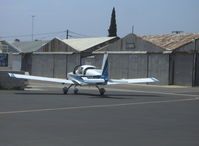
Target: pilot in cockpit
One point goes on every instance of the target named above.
(80, 70)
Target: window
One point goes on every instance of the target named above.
(3, 60)
(3, 48)
(130, 45)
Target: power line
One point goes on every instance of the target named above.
(82, 35)
(68, 34)
(28, 35)
(50, 36)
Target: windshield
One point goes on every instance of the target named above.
(80, 70)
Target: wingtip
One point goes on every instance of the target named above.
(10, 74)
(155, 80)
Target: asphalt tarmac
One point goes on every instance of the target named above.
(125, 116)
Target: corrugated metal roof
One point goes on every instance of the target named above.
(86, 43)
(171, 41)
(28, 46)
(9, 47)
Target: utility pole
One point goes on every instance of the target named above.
(132, 29)
(194, 68)
(67, 33)
(33, 27)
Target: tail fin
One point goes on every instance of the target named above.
(105, 67)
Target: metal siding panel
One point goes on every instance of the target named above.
(42, 65)
(60, 66)
(159, 67)
(72, 61)
(183, 66)
(197, 70)
(118, 66)
(16, 64)
(137, 66)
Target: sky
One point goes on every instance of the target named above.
(91, 18)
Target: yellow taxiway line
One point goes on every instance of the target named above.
(141, 91)
(98, 106)
(152, 92)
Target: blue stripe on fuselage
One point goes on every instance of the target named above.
(79, 79)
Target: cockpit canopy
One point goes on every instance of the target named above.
(81, 70)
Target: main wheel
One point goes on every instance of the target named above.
(65, 90)
(75, 90)
(102, 91)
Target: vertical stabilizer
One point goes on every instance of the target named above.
(105, 67)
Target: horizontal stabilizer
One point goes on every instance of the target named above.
(131, 81)
(38, 78)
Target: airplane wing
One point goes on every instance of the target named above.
(56, 80)
(131, 81)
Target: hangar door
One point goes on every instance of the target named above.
(197, 70)
(183, 65)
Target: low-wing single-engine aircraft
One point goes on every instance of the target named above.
(87, 75)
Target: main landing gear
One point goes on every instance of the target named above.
(65, 90)
(101, 90)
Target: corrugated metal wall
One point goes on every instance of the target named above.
(135, 66)
(197, 70)
(174, 69)
(54, 65)
(183, 67)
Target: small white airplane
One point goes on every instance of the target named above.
(87, 75)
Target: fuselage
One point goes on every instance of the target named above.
(86, 80)
(86, 75)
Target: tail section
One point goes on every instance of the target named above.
(105, 67)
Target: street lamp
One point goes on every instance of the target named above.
(32, 27)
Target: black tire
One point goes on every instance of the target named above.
(76, 91)
(102, 91)
(65, 90)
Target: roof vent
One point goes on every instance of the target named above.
(177, 32)
(17, 40)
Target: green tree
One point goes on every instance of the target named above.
(113, 26)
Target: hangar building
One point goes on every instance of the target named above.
(172, 58)
(58, 57)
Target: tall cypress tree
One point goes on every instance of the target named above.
(113, 26)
